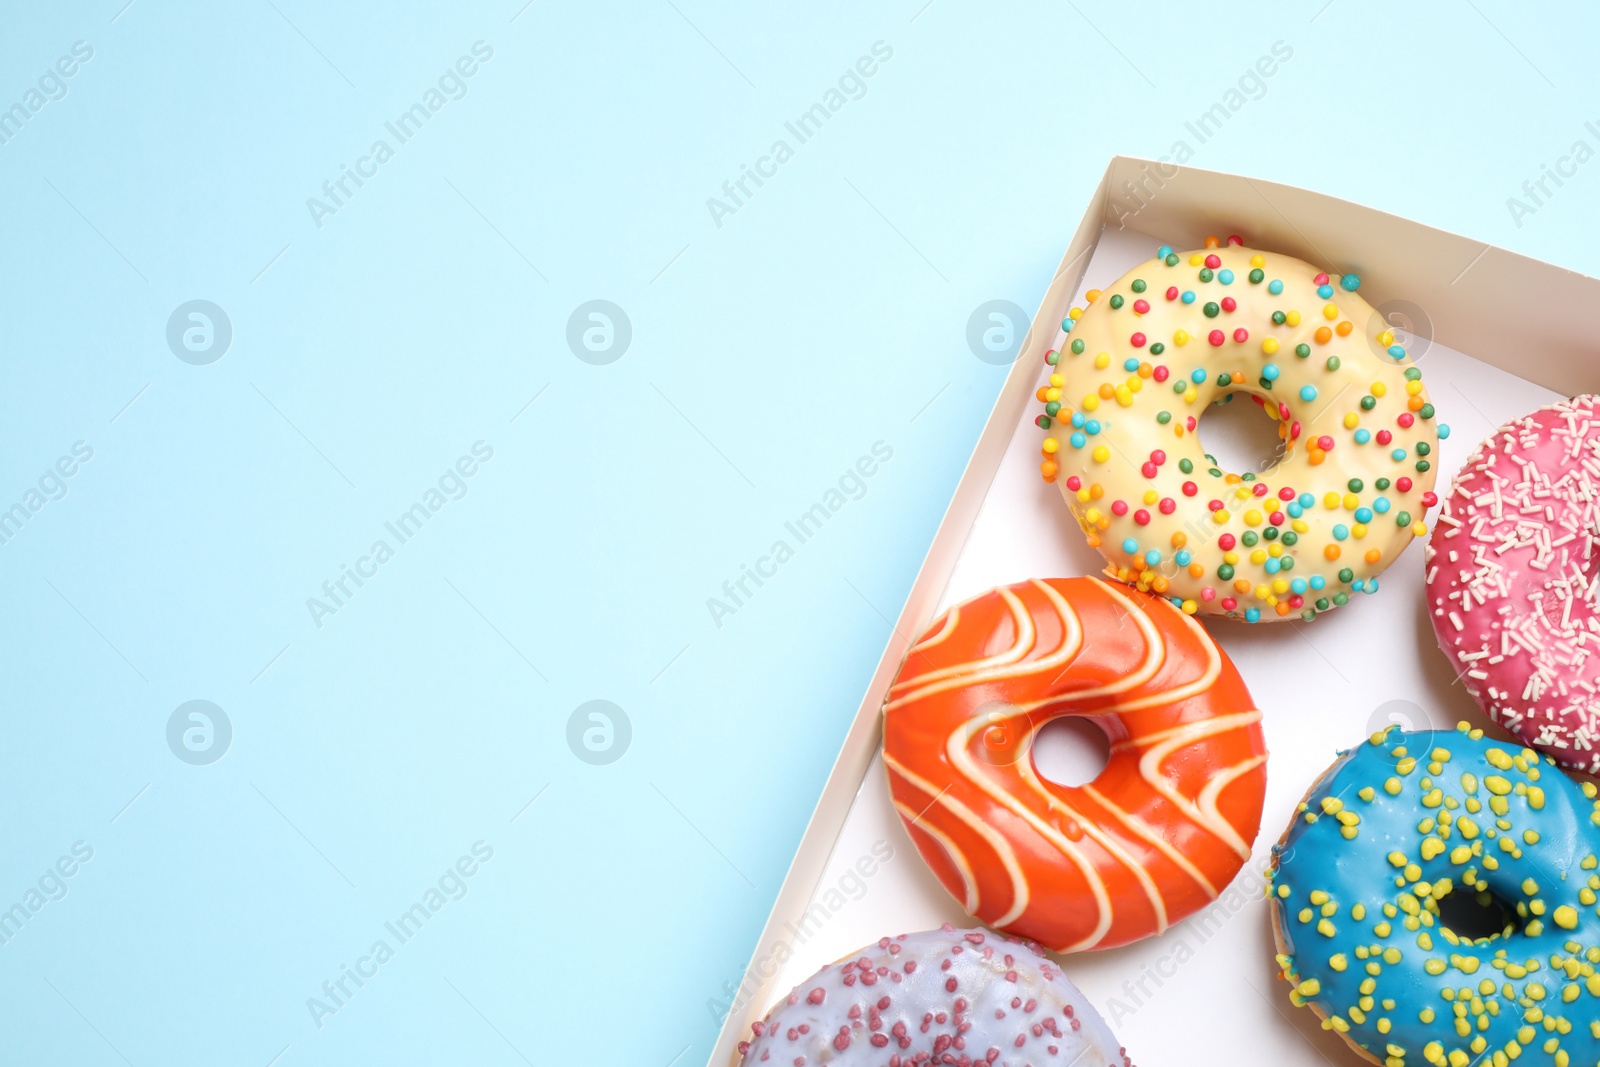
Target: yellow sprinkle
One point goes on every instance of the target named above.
(1338, 961)
(1497, 785)
(1566, 917)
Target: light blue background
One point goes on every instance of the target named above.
(828, 313)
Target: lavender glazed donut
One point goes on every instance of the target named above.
(947, 996)
(1512, 583)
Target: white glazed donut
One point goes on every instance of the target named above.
(1131, 378)
(972, 998)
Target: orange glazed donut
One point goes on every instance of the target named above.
(1157, 836)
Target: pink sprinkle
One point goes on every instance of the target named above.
(1160, 374)
(1216, 337)
(1137, 340)
(1229, 303)
(1213, 261)
(1141, 306)
(1172, 292)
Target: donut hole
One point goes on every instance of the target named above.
(1472, 916)
(1071, 751)
(1240, 436)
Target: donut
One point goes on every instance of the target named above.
(1156, 836)
(968, 997)
(1433, 901)
(1511, 579)
(1130, 378)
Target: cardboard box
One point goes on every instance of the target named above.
(1497, 334)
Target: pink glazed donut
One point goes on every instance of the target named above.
(972, 998)
(1511, 579)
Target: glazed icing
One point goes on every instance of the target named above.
(1409, 819)
(971, 998)
(1511, 579)
(1154, 838)
(1132, 376)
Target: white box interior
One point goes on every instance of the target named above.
(1197, 993)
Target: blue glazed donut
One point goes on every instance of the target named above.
(1434, 901)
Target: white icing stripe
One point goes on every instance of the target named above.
(1152, 892)
(1147, 832)
(956, 750)
(1002, 847)
(1207, 800)
(1022, 619)
(1155, 656)
(951, 618)
(989, 671)
(1150, 770)
(1200, 685)
(957, 858)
